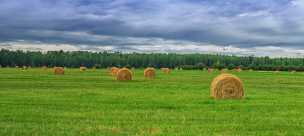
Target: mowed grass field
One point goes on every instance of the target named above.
(36, 102)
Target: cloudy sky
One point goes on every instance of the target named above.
(242, 27)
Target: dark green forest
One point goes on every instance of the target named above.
(139, 60)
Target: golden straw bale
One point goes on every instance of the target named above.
(124, 74)
(166, 70)
(224, 70)
(227, 86)
(149, 73)
(113, 71)
(58, 70)
(238, 70)
(82, 68)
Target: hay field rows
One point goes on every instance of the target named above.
(37, 102)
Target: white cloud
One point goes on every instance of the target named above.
(156, 45)
(21, 45)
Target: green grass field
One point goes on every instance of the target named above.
(37, 103)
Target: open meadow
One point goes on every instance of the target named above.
(35, 102)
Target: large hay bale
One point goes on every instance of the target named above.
(82, 68)
(124, 74)
(113, 71)
(166, 70)
(58, 70)
(227, 86)
(149, 73)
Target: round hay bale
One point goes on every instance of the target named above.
(124, 74)
(59, 71)
(227, 86)
(113, 71)
(224, 71)
(149, 73)
(238, 69)
(82, 68)
(166, 70)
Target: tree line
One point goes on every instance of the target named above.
(19, 58)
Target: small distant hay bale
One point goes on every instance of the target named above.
(293, 71)
(238, 69)
(166, 70)
(149, 73)
(210, 70)
(82, 68)
(44, 67)
(224, 70)
(58, 70)
(124, 74)
(94, 68)
(113, 71)
(24, 68)
(277, 71)
(227, 86)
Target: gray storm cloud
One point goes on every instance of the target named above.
(248, 25)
